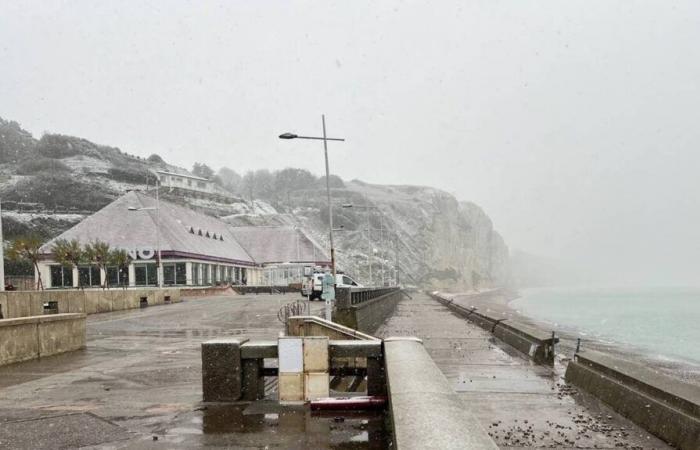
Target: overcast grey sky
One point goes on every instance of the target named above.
(573, 124)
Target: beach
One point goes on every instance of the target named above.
(508, 304)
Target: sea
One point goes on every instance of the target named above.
(665, 322)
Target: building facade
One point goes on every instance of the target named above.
(196, 249)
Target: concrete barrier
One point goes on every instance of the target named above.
(537, 344)
(33, 337)
(15, 304)
(365, 315)
(425, 411)
(664, 406)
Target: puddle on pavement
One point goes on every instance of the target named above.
(269, 424)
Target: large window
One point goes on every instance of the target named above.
(195, 274)
(244, 279)
(145, 275)
(118, 276)
(174, 274)
(61, 276)
(205, 273)
(237, 275)
(89, 276)
(229, 271)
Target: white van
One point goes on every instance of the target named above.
(313, 286)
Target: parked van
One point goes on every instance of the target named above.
(313, 286)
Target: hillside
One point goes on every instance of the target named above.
(48, 185)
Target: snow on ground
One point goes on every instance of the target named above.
(87, 164)
(26, 217)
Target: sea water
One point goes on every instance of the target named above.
(662, 321)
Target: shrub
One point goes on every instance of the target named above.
(33, 166)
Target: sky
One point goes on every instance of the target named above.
(573, 124)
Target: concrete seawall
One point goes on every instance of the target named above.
(28, 338)
(366, 316)
(665, 406)
(15, 304)
(425, 410)
(537, 344)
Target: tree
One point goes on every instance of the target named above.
(119, 258)
(27, 249)
(99, 253)
(202, 170)
(68, 253)
(155, 158)
(290, 179)
(230, 179)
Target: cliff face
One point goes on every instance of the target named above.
(437, 241)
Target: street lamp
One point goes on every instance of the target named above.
(2, 255)
(325, 140)
(159, 263)
(369, 239)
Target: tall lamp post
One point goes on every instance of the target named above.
(2, 255)
(325, 140)
(369, 239)
(159, 263)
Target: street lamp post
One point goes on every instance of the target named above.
(325, 140)
(2, 255)
(370, 252)
(159, 263)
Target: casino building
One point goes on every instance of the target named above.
(196, 249)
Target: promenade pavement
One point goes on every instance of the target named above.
(520, 404)
(137, 385)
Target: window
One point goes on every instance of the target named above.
(237, 275)
(205, 273)
(180, 273)
(195, 274)
(201, 184)
(169, 274)
(89, 276)
(118, 276)
(61, 276)
(229, 274)
(244, 280)
(145, 275)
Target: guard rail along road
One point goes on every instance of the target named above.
(365, 309)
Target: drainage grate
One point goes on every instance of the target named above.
(51, 307)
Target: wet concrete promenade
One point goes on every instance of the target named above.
(520, 404)
(138, 385)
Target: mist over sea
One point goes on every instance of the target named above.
(665, 322)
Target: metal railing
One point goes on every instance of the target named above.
(346, 297)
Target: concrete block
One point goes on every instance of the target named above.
(102, 301)
(61, 333)
(291, 387)
(221, 370)
(36, 304)
(77, 299)
(19, 304)
(315, 385)
(253, 384)
(316, 354)
(18, 341)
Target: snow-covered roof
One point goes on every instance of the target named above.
(269, 245)
(183, 175)
(130, 223)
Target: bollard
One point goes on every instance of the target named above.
(578, 345)
(221, 370)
